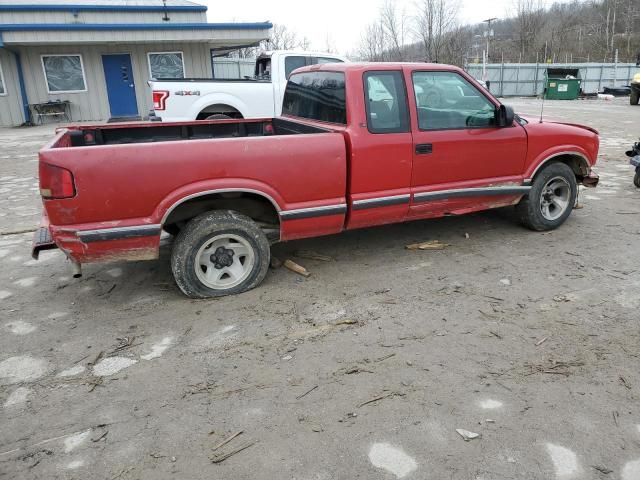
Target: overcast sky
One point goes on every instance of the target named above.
(342, 20)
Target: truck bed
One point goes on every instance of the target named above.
(132, 174)
(169, 132)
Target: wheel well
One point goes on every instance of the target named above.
(576, 162)
(221, 109)
(255, 206)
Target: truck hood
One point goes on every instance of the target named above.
(532, 120)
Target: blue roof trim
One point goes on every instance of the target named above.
(29, 27)
(102, 8)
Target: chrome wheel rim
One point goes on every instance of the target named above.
(224, 261)
(555, 198)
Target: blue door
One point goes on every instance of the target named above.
(120, 87)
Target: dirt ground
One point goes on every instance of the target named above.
(365, 370)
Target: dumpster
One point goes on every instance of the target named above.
(562, 84)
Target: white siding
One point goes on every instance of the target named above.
(22, 17)
(220, 37)
(10, 104)
(93, 105)
(233, 68)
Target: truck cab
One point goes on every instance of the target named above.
(258, 96)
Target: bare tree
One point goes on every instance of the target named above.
(530, 20)
(631, 13)
(282, 38)
(373, 45)
(330, 46)
(394, 26)
(435, 19)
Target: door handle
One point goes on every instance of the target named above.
(424, 148)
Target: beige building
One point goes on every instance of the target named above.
(91, 60)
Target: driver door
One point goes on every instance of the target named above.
(461, 160)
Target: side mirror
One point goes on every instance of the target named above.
(505, 116)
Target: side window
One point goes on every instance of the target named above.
(386, 102)
(166, 65)
(316, 96)
(291, 63)
(446, 101)
(64, 73)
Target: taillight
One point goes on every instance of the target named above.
(160, 99)
(56, 182)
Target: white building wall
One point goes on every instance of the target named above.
(10, 103)
(93, 105)
(233, 68)
(23, 17)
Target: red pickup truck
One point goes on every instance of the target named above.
(357, 145)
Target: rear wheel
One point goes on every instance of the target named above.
(220, 253)
(635, 96)
(218, 116)
(550, 200)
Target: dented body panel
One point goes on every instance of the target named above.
(318, 178)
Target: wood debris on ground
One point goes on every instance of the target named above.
(381, 397)
(295, 268)
(431, 245)
(542, 341)
(222, 455)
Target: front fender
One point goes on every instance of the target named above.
(554, 152)
(225, 185)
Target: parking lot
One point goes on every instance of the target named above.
(365, 369)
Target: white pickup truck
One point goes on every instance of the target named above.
(260, 96)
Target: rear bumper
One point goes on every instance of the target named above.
(42, 240)
(89, 243)
(591, 180)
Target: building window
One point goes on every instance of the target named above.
(166, 65)
(3, 88)
(64, 73)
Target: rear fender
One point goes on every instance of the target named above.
(218, 99)
(226, 185)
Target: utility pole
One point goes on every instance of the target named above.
(489, 33)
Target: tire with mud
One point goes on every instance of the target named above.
(220, 253)
(636, 180)
(550, 200)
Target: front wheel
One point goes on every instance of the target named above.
(550, 200)
(634, 99)
(220, 253)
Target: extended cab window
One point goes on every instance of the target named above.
(446, 101)
(316, 96)
(386, 102)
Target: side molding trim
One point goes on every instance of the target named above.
(313, 212)
(119, 233)
(470, 192)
